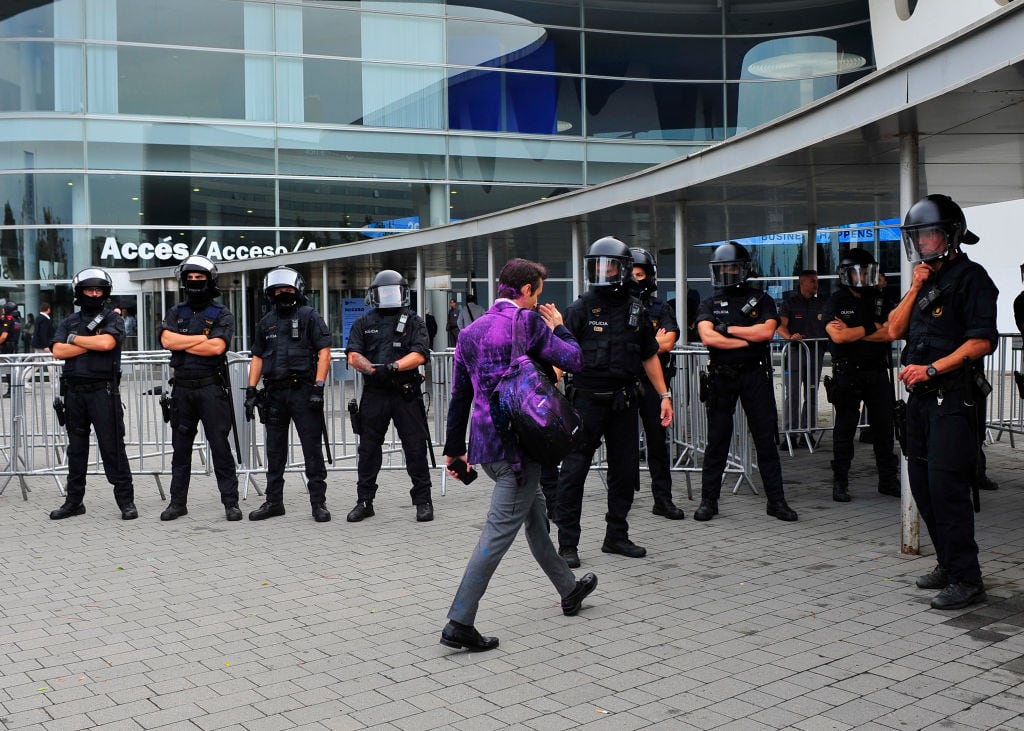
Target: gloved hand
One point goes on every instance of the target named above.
(316, 398)
(252, 397)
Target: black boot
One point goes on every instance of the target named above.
(129, 511)
(362, 510)
(320, 513)
(708, 509)
(780, 510)
(267, 510)
(174, 511)
(67, 510)
(840, 489)
(889, 485)
(668, 510)
(231, 512)
(960, 594)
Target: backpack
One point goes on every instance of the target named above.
(529, 411)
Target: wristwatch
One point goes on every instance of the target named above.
(71, 338)
(931, 372)
(667, 394)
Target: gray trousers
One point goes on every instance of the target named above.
(512, 505)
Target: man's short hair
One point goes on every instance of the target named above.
(808, 273)
(518, 272)
(45, 307)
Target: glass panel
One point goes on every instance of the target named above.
(26, 76)
(525, 47)
(330, 31)
(356, 205)
(654, 57)
(654, 111)
(29, 23)
(333, 91)
(756, 17)
(402, 96)
(537, 161)
(397, 38)
(541, 12)
(499, 101)
(146, 248)
(363, 154)
(41, 144)
(212, 23)
(549, 243)
(172, 201)
(609, 160)
(177, 83)
(655, 16)
(468, 201)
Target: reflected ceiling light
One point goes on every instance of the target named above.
(141, 213)
(248, 210)
(804, 64)
(135, 197)
(195, 190)
(563, 126)
(70, 183)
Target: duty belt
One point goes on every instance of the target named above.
(281, 384)
(86, 386)
(843, 364)
(736, 368)
(935, 385)
(195, 382)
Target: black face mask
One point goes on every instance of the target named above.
(91, 305)
(285, 302)
(197, 293)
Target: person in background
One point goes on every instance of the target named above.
(451, 325)
(800, 318)
(481, 358)
(469, 313)
(43, 330)
(27, 332)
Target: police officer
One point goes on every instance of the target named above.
(859, 342)
(948, 318)
(89, 342)
(619, 347)
(737, 324)
(800, 318)
(666, 332)
(10, 334)
(292, 352)
(197, 332)
(387, 345)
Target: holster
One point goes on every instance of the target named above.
(899, 421)
(58, 408)
(167, 409)
(355, 417)
(829, 385)
(704, 386)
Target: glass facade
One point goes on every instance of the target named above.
(135, 131)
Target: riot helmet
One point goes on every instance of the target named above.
(389, 290)
(92, 278)
(643, 259)
(608, 264)
(10, 308)
(730, 265)
(934, 227)
(282, 276)
(198, 291)
(858, 269)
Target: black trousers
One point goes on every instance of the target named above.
(754, 390)
(379, 407)
(941, 454)
(212, 406)
(658, 461)
(872, 388)
(621, 432)
(101, 410)
(291, 405)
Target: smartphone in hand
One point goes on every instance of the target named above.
(466, 474)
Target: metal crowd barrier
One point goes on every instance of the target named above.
(32, 443)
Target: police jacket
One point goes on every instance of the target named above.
(10, 325)
(805, 315)
(743, 305)
(92, 365)
(214, 321)
(290, 344)
(384, 336)
(870, 308)
(616, 337)
(958, 303)
(660, 315)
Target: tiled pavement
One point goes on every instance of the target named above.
(744, 622)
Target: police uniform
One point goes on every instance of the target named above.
(383, 336)
(90, 389)
(201, 393)
(616, 337)
(11, 326)
(289, 346)
(744, 374)
(860, 373)
(660, 315)
(805, 318)
(956, 304)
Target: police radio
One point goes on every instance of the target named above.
(926, 300)
(96, 322)
(400, 327)
(295, 328)
(750, 306)
(635, 308)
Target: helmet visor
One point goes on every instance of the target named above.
(279, 278)
(729, 273)
(389, 295)
(859, 275)
(603, 271)
(925, 243)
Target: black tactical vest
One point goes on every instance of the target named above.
(290, 347)
(611, 339)
(387, 337)
(196, 323)
(93, 365)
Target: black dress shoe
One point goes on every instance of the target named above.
(267, 510)
(781, 511)
(66, 511)
(708, 509)
(231, 512)
(363, 509)
(460, 635)
(571, 604)
(173, 512)
(668, 510)
(424, 512)
(937, 578)
(960, 594)
(129, 511)
(840, 490)
(571, 556)
(623, 547)
(320, 513)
